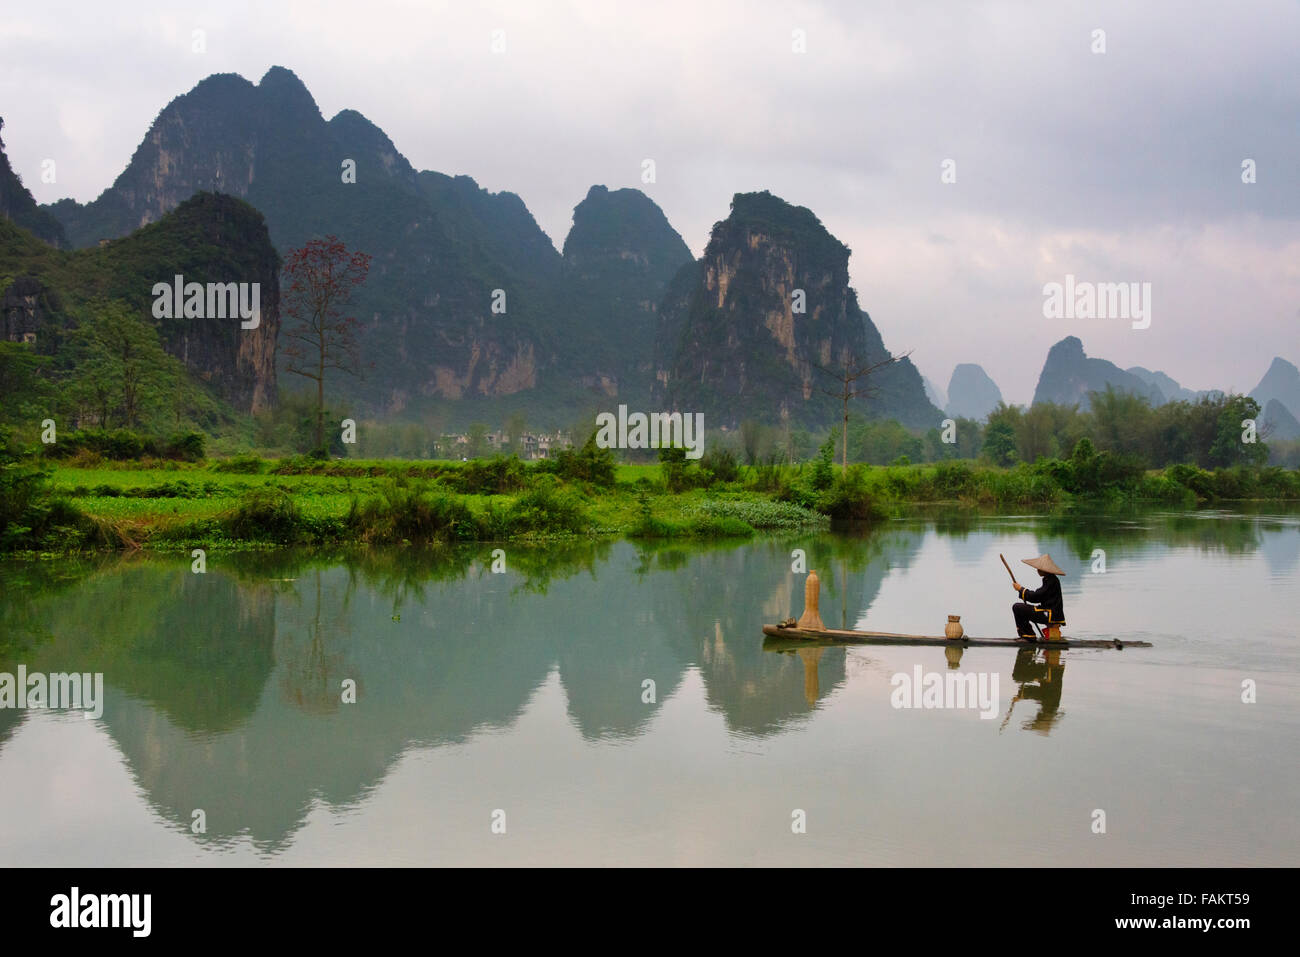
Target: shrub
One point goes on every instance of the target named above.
(721, 464)
(672, 464)
(823, 471)
(590, 464)
(849, 500)
(954, 480)
(1199, 481)
(186, 446)
(406, 511)
(545, 510)
(265, 514)
(240, 465)
(32, 517)
(767, 477)
(708, 526)
(87, 447)
(498, 476)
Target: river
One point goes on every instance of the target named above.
(613, 703)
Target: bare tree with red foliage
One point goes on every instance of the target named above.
(322, 276)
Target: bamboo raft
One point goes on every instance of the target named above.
(812, 637)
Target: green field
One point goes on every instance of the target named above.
(251, 502)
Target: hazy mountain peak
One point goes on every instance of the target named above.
(938, 398)
(971, 393)
(628, 223)
(1069, 374)
(1281, 383)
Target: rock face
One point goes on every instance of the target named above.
(18, 205)
(619, 258)
(211, 238)
(1281, 383)
(467, 298)
(734, 344)
(26, 308)
(1279, 425)
(971, 393)
(445, 252)
(208, 238)
(1069, 375)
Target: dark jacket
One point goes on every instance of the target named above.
(1047, 597)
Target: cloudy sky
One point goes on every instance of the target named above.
(1115, 166)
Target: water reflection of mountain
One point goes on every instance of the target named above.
(224, 690)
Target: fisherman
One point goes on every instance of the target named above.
(1050, 610)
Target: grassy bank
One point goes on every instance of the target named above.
(252, 502)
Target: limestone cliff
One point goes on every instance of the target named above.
(442, 247)
(619, 258)
(758, 327)
(206, 239)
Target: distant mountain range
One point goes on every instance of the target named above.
(1282, 383)
(445, 251)
(1069, 374)
(1278, 394)
(756, 328)
(580, 327)
(1170, 390)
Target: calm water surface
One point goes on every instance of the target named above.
(524, 692)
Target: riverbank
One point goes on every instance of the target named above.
(250, 502)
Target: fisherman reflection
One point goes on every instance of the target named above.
(1038, 680)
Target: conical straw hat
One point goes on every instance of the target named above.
(1044, 563)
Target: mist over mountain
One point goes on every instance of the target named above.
(1069, 374)
(761, 324)
(1169, 387)
(938, 398)
(971, 393)
(1278, 423)
(1281, 383)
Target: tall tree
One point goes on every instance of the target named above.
(322, 277)
(123, 370)
(24, 389)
